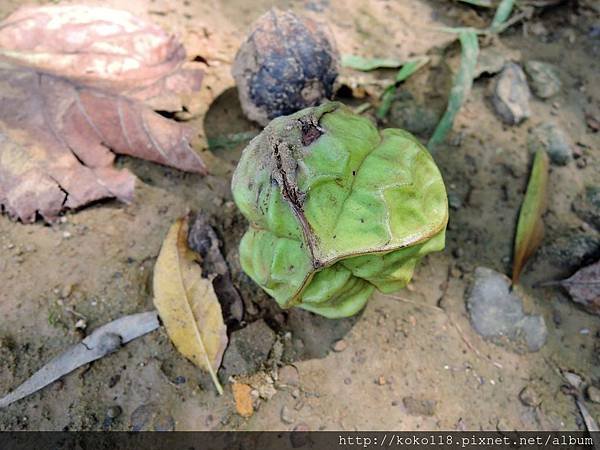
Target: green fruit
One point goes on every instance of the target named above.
(336, 209)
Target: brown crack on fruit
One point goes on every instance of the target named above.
(286, 151)
(285, 166)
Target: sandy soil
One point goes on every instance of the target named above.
(411, 361)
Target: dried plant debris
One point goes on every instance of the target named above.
(530, 228)
(66, 109)
(203, 239)
(583, 286)
(187, 303)
(103, 341)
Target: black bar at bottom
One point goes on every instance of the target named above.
(318, 440)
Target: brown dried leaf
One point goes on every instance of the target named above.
(187, 303)
(102, 47)
(71, 83)
(530, 228)
(584, 287)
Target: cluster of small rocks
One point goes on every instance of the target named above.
(511, 96)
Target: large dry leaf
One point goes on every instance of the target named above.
(75, 86)
(187, 303)
(101, 47)
(530, 228)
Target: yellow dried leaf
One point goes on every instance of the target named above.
(187, 304)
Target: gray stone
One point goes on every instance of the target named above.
(551, 138)
(454, 201)
(248, 349)
(340, 346)
(497, 313)
(511, 95)
(544, 78)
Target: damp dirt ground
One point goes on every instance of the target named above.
(409, 361)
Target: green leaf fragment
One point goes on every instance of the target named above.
(409, 68)
(367, 64)
(480, 3)
(461, 87)
(530, 228)
(502, 14)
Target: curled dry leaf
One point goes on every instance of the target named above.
(530, 228)
(76, 84)
(584, 287)
(203, 239)
(187, 303)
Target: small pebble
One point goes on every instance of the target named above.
(180, 379)
(529, 397)
(340, 346)
(454, 201)
(114, 411)
(556, 317)
(550, 137)
(66, 235)
(455, 272)
(545, 81)
(593, 394)
(66, 291)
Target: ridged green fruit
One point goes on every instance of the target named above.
(336, 209)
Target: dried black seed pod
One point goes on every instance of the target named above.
(287, 63)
